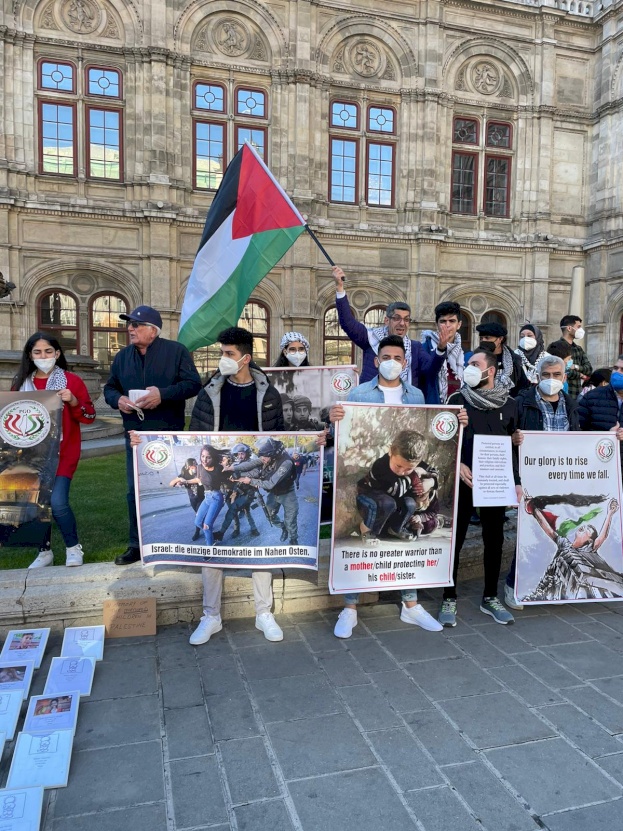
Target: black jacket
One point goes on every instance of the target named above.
(530, 417)
(207, 410)
(499, 422)
(599, 410)
(166, 365)
(519, 377)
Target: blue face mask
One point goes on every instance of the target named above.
(565, 387)
(569, 364)
(616, 380)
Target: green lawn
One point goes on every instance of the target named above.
(98, 498)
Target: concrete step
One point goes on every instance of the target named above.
(101, 428)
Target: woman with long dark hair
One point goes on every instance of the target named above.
(211, 476)
(294, 350)
(44, 367)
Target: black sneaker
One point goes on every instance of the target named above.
(130, 555)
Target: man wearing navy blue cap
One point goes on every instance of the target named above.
(164, 371)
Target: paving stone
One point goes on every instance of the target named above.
(218, 646)
(262, 816)
(612, 619)
(586, 660)
(520, 681)
(313, 746)
(604, 634)
(133, 774)
(342, 668)
(188, 732)
(439, 809)
(605, 817)
(281, 699)
(124, 721)
(482, 650)
(197, 793)
(249, 772)
(495, 720)
(370, 655)
(613, 765)
(581, 730)
(612, 687)
(452, 678)
(277, 661)
(468, 611)
(231, 716)
(606, 712)
(118, 680)
(174, 654)
(491, 803)
(417, 645)
(220, 681)
(400, 692)
(505, 638)
(548, 671)
(319, 636)
(369, 707)
(129, 650)
(530, 767)
(406, 761)
(355, 801)
(217, 661)
(554, 631)
(181, 688)
(141, 818)
(439, 737)
(255, 637)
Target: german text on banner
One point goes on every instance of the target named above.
(250, 226)
(569, 531)
(30, 434)
(395, 496)
(229, 500)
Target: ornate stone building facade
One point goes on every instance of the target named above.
(449, 149)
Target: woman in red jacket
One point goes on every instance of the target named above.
(44, 367)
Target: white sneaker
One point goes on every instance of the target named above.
(509, 598)
(43, 558)
(419, 616)
(267, 624)
(345, 623)
(74, 556)
(208, 626)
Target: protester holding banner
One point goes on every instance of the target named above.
(294, 350)
(150, 381)
(450, 377)
(509, 367)
(490, 411)
(44, 367)
(421, 367)
(531, 350)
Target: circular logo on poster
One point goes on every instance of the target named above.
(24, 423)
(341, 383)
(445, 426)
(156, 455)
(604, 450)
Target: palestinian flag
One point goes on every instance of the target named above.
(250, 226)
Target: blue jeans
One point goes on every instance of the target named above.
(378, 508)
(62, 513)
(208, 512)
(406, 595)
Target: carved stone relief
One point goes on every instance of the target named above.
(82, 17)
(232, 37)
(363, 58)
(484, 77)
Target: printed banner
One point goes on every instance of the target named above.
(570, 523)
(30, 434)
(396, 489)
(243, 500)
(306, 395)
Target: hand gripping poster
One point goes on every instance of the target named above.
(569, 531)
(30, 434)
(244, 500)
(396, 476)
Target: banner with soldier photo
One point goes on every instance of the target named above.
(30, 435)
(396, 489)
(569, 531)
(228, 500)
(307, 393)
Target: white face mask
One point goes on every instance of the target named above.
(390, 370)
(296, 358)
(227, 366)
(527, 343)
(45, 364)
(579, 334)
(472, 375)
(550, 386)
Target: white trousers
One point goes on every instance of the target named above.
(213, 588)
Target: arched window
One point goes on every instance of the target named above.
(466, 330)
(375, 316)
(494, 316)
(108, 333)
(337, 347)
(256, 318)
(58, 315)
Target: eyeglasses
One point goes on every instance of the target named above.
(398, 319)
(134, 324)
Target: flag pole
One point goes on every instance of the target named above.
(319, 244)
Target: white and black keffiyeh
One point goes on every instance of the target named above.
(529, 368)
(484, 399)
(504, 376)
(455, 359)
(57, 380)
(376, 335)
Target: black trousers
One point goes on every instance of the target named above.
(492, 524)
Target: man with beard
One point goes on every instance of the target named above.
(509, 369)
(492, 412)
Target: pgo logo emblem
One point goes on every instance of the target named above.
(24, 423)
(341, 383)
(156, 455)
(445, 426)
(604, 450)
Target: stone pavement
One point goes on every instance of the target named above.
(480, 727)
